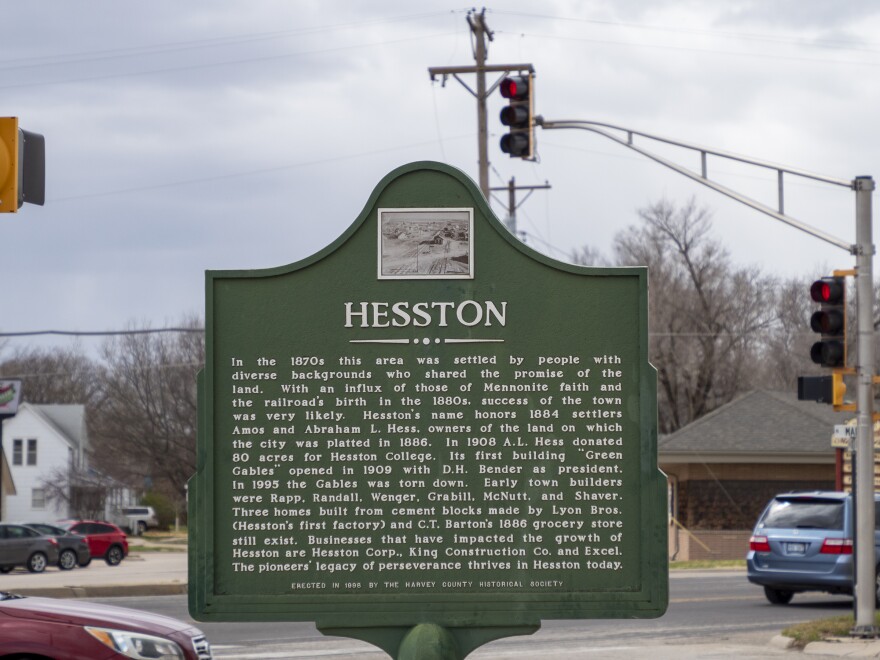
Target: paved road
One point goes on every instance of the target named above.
(147, 573)
(712, 614)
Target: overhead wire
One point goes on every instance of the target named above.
(210, 42)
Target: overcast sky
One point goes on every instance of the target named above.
(186, 136)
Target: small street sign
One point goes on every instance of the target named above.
(844, 435)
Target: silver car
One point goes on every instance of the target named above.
(23, 546)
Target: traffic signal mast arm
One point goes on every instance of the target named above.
(703, 176)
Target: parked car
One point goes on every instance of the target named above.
(23, 546)
(105, 539)
(73, 549)
(804, 542)
(80, 630)
(136, 519)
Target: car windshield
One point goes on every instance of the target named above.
(804, 514)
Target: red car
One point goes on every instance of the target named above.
(105, 539)
(79, 630)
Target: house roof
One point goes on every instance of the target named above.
(759, 422)
(67, 418)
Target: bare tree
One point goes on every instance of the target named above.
(706, 317)
(786, 346)
(81, 492)
(588, 256)
(144, 431)
(54, 375)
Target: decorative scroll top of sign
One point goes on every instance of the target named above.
(427, 422)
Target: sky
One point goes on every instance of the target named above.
(215, 135)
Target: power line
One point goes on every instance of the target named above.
(99, 333)
(799, 41)
(762, 56)
(210, 42)
(264, 58)
(265, 170)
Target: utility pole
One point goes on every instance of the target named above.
(481, 33)
(477, 23)
(512, 206)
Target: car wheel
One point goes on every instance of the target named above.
(85, 562)
(113, 556)
(67, 560)
(5, 569)
(37, 562)
(778, 596)
(141, 528)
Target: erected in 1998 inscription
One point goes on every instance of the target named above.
(427, 431)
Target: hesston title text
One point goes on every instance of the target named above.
(468, 313)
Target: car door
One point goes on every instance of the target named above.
(16, 541)
(102, 537)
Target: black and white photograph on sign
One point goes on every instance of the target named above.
(426, 243)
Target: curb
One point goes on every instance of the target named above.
(845, 647)
(782, 642)
(105, 591)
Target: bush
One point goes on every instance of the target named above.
(163, 507)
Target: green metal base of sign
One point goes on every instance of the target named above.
(428, 641)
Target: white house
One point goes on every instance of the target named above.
(40, 442)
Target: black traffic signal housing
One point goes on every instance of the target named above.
(519, 115)
(22, 166)
(822, 389)
(829, 321)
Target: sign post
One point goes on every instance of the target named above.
(427, 436)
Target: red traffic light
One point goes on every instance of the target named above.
(515, 87)
(828, 290)
(519, 91)
(829, 321)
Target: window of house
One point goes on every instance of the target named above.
(32, 451)
(38, 498)
(17, 451)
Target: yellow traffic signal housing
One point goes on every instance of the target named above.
(9, 164)
(838, 389)
(22, 166)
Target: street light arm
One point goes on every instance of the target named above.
(598, 127)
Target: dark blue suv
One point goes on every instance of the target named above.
(804, 542)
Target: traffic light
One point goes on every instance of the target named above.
(519, 90)
(829, 321)
(822, 389)
(22, 166)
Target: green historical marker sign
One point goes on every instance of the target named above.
(427, 427)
